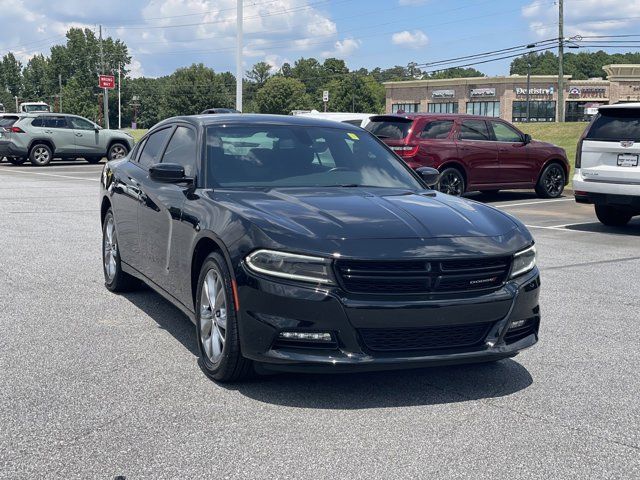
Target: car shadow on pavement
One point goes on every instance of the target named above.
(632, 229)
(167, 316)
(505, 196)
(430, 386)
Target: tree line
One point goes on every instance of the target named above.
(69, 75)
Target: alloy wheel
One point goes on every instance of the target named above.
(117, 152)
(41, 155)
(553, 181)
(110, 250)
(213, 315)
(451, 183)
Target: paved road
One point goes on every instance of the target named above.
(94, 385)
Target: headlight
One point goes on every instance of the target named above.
(291, 266)
(523, 261)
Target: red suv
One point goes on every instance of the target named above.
(474, 153)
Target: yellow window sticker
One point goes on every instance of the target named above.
(353, 136)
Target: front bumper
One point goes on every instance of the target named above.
(268, 307)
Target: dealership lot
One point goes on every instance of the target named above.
(96, 385)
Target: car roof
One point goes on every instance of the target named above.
(255, 119)
(446, 116)
(620, 105)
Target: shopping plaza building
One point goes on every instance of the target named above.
(506, 97)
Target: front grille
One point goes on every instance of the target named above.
(418, 276)
(441, 337)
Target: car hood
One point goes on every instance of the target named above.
(364, 213)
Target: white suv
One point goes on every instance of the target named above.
(607, 168)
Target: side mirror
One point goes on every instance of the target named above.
(429, 175)
(527, 139)
(97, 129)
(167, 173)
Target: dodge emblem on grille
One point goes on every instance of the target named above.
(483, 280)
(626, 143)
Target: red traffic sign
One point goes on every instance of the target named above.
(107, 81)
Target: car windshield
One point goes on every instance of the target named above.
(615, 124)
(36, 108)
(294, 156)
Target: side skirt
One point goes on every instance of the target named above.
(158, 289)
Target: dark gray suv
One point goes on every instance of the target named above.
(41, 138)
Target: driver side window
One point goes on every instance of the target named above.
(505, 133)
(81, 123)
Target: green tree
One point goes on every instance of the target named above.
(259, 74)
(355, 93)
(282, 95)
(193, 89)
(36, 79)
(11, 70)
(457, 72)
(79, 100)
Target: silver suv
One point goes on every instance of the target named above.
(43, 137)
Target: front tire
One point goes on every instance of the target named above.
(612, 217)
(452, 182)
(40, 155)
(115, 279)
(117, 150)
(551, 182)
(216, 323)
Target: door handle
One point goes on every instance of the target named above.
(48, 131)
(503, 150)
(78, 134)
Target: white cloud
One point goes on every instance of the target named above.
(582, 17)
(343, 48)
(413, 39)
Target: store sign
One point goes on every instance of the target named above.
(443, 93)
(535, 91)
(587, 91)
(483, 92)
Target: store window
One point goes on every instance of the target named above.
(446, 107)
(405, 107)
(487, 109)
(539, 111)
(580, 111)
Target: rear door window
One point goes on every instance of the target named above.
(474, 130)
(153, 147)
(615, 124)
(438, 129)
(8, 120)
(393, 128)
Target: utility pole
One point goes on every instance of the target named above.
(105, 96)
(60, 89)
(16, 98)
(561, 60)
(239, 57)
(528, 90)
(119, 105)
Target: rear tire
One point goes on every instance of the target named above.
(611, 216)
(217, 325)
(115, 279)
(40, 155)
(452, 182)
(16, 160)
(551, 182)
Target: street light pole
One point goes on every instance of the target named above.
(560, 60)
(239, 57)
(528, 91)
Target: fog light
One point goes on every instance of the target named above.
(307, 336)
(517, 324)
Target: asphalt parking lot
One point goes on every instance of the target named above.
(96, 385)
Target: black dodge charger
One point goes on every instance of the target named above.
(296, 243)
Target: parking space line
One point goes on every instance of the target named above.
(559, 228)
(52, 175)
(524, 204)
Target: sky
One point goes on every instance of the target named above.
(163, 35)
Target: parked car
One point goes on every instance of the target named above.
(474, 153)
(303, 244)
(607, 172)
(210, 111)
(43, 137)
(357, 119)
(34, 107)
(6, 121)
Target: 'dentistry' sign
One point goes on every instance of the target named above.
(534, 91)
